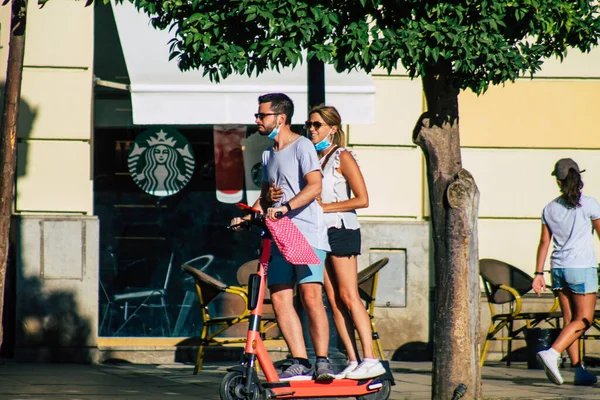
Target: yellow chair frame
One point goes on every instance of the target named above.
(367, 289)
(207, 289)
(506, 284)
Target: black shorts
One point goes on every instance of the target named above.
(344, 242)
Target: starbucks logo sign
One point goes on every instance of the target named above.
(161, 161)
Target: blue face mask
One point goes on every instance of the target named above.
(273, 133)
(323, 144)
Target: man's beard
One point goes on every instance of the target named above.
(265, 132)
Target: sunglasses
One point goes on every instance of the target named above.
(262, 116)
(316, 124)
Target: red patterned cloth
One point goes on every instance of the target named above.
(292, 244)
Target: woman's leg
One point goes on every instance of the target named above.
(564, 299)
(578, 314)
(345, 272)
(341, 318)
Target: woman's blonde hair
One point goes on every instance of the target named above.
(332, 117)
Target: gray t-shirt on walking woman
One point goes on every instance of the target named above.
(287, 168)
(572, 232)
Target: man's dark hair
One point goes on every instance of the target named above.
(280, 103)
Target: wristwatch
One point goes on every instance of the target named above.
(287, 205)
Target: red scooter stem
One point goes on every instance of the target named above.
(254, 343)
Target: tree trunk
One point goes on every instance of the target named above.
(8, 147)
(454, 200)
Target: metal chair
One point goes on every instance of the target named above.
(593, 333)
(367, 289)
(143, 298)
(505, 284)
(201, 263)
(207, 289)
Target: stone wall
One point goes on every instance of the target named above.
(403, 297)
(57, 288)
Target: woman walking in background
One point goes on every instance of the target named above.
(570, 221)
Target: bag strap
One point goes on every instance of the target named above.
(328, 156)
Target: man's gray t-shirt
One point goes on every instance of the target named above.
(287, 168)
(572, 232)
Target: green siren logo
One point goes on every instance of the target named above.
(161, 161)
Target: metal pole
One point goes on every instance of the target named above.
(316, 82)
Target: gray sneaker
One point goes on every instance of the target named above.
(296, 372)
(324, 372)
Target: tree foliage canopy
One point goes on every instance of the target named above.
(485, 41)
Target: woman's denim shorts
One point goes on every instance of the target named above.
(344, 242)
(578, 280)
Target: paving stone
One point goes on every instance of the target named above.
(157, 382)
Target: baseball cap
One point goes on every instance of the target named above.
(562, 167)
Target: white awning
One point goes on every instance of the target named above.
(162, 94)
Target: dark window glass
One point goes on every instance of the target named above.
(141, 236)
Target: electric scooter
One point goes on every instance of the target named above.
(242, 382)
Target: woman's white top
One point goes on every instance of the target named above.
(572, 232)
(336, 189)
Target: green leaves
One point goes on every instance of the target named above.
(485, 41)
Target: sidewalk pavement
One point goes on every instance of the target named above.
(157, 382)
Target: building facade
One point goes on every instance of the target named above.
(90, 239)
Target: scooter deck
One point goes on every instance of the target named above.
(313, 388)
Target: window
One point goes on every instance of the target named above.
(141, 235)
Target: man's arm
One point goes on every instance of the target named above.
(312, 190)
(261, 203)
(309, 193)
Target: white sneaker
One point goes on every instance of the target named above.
(368, 368)
(351, 367)
(550, 362)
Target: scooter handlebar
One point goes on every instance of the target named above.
(256, 218)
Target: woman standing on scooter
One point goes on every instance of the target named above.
(343, 192)
(569, 220)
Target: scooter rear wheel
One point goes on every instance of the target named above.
(233, 387)
(382, 394)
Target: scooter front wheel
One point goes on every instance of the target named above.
(382, 394)
(233, 387)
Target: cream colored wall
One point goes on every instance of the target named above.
(386, 148)
(4, 37)
(398, 105)
(392, 193)
(511, 136)
(516, 183)
(55, 121)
